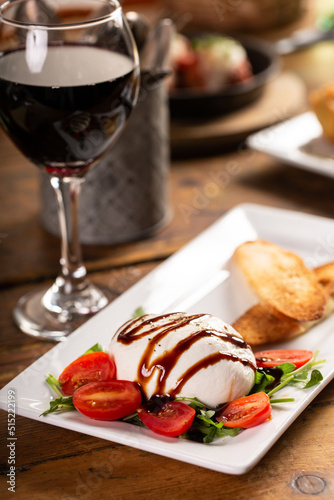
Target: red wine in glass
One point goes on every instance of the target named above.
(66, 119)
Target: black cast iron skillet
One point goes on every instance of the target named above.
(265, 60)
(188, 103)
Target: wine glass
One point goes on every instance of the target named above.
(68, 83)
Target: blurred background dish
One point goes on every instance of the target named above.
(209, 62)
(264, 62)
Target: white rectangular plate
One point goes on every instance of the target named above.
(299, 142)
(198, 278)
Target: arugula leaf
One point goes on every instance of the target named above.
(54, 384)
(282, 400)
(206, 416)
(302, 377)
(138, 312)
(316, 377)
(280, 386)
(133, 419)
(210, 436)
(262, 381)
(193, 402)
(60, 405)
(307, 379)
(287, 368)
(209, 428)
(95, 348)
(204, 428)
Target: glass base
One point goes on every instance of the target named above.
(34, 317)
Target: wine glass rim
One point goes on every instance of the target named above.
(60, 26)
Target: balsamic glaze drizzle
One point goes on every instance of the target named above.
(166, 361)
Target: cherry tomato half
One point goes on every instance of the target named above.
(173, 418)
(107, 400)
(88, 368)
(277, 357)
(246, 412)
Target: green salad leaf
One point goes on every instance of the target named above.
(204, 428)
(304, 377)
(60, 405)
(262, 381)
(286, 368)
(138, 312)
(95, 348)
(133, 419)
(54, 384)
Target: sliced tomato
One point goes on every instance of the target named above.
(246, 412)
(279, 356)
(107, 400)
(88, 368)
(172, 419)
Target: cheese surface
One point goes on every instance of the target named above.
(184, 355)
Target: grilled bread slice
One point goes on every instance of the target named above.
(281, 281)
(258, 326)
(325, 277)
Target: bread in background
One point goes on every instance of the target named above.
(322, 103)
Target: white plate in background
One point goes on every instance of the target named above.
(299, 142)
(197, 278)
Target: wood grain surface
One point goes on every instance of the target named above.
(53, 463)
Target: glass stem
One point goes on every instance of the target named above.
(73, 272)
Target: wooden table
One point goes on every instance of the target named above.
(59, 464)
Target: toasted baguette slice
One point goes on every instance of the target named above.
(325, 277)
(281, 280)
(258, 326)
